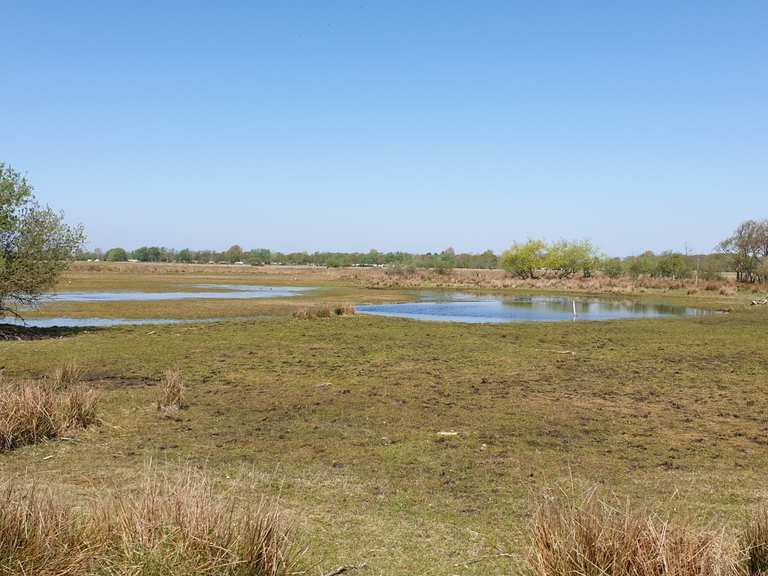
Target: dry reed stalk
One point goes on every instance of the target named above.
(172, 391)
(591, 538)
(32, 412)
(176, 525)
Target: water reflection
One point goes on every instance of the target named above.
(458, 307)
(64, 322)
(209, 292)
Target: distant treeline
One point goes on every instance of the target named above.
(745, 253)
(236, 255)
(562, 259)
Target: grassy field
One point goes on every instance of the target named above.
(341, 418)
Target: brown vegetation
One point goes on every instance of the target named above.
(498, 279)
(175, 526)
(172, 392)
(34, 411)
(310, 312)
(68, 374)
(409, 277)
(570, 537)
(754, 541)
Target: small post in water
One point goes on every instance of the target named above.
(574, 307)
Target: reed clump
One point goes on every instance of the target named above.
(35, 411)
(754, 541)
(326, 311)
(593, 538)
(66, 375)
(40, 536)
(175, 525)
(173, 391)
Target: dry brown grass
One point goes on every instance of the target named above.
(498, 279)
(754, 540)
(328, 311)
(32, 412)
(590, 537)
(173, 392)
(39, 536)
(175, 526)
(404, 277)
(68, 374)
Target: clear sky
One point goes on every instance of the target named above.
(325, 125)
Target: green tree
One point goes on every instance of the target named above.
(35, 244)
(116, 255)
(150, 254)
(747, 247)
(234, 254)
(643, 265)
(524, 260)
(184, 256)
(445, 262)
(259, 257)
(487, 260)
(672, 265)
(613, 267)
(566, 258)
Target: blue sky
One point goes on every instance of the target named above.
(390, 125)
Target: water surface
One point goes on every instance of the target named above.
(65, 322)
(205, 291)
(458, 307)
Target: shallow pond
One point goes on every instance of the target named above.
(195, 292)
(64, 322)
(204, 291)
(456, 307)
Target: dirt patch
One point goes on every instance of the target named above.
(12, 332)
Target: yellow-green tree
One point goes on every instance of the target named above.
(524, 260)
(35, 244)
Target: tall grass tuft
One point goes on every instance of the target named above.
(176, 525)
(754, 541)
(40, 536)
(173, 391)
(592, 538)
(66, 375)
(32, 412)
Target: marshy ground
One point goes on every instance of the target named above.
(416, 448)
